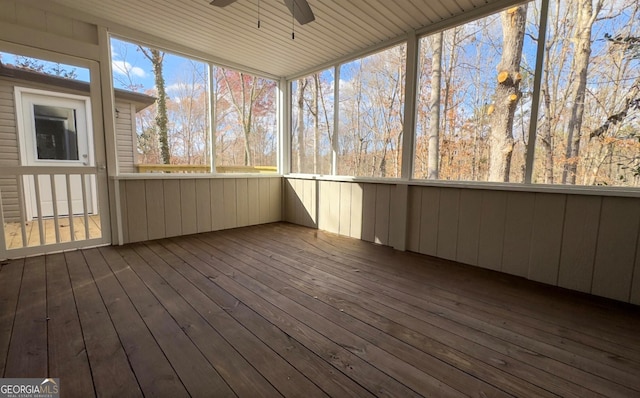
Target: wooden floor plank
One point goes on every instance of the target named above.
(12, 235)
(239, 373)
(340, 357)
(111, 372)
(361, 296)
(67, 354)
(13, 231)
(402, 371)
(281, 310)
(352, 303)
(153, 371)
(10, 281)
(618, 346)
(509, 289)
(451, 308)
(28, 348)
(195, 372)
(321, 373)
(309, 299)
(450, 290)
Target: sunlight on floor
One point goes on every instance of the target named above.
(13, 233)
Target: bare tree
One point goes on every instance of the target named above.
(434, 106)
(302, 86)
(507, 93)
(243, 105)
(157, 57)
(587, 14)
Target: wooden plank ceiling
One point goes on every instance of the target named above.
(341, 27)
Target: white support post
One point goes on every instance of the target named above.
(108, 102)
(284, 127)
(336, 121)
(212, 119)
(119, 226)
(535, 100)
(400, 204)
(409, 124)
(109, 121)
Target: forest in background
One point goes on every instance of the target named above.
(175, 130)
(475, 93)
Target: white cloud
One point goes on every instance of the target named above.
(180, 88)
(176, 87)
(345, 83)
(124, 68)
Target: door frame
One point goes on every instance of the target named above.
(99, 148)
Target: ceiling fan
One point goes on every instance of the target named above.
(300, 9)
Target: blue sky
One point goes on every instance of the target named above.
(130, 65)
(126, 58)
(82, 73)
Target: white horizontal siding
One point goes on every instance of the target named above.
(9, 153)
(124, 138)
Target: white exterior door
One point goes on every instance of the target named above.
(56, 132)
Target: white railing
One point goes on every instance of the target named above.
(68, 193)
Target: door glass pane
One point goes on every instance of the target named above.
(56, 133)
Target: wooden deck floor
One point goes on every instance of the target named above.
(13, 231)
(281, 310)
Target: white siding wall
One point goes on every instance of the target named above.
(9, 154)
(124, 136)
(160, 208)
(588, 243)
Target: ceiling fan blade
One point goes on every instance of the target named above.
(221, 3)
(301, 11)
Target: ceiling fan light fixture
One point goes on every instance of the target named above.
(221, 3)
(300, 10)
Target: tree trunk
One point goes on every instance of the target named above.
(546, 138)
(507, 93)
(157, 57)
(246, 120)
(302, 85)
(244, 109)
(446, 125)
(582, 52)
(434, 107)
